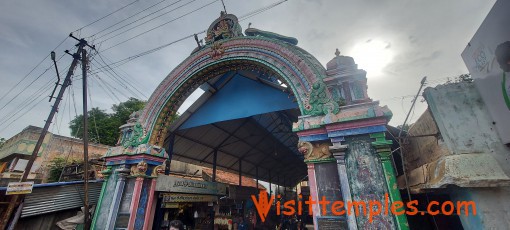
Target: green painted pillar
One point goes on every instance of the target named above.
(383, 148)
(106, 174)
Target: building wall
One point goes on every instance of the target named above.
(54, 146)
(468, 154)
(68, 148)
(24, 143)
(425, 149)
(492, 207)
(464, 122)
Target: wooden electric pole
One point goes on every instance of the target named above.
(16, 199)
(85, 139)
(84, 67)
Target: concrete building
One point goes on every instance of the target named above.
(17, 150)
(453, 149)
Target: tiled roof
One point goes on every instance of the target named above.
(231, 178)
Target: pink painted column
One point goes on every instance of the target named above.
(134, 202)
(313, 193)
(147, 223)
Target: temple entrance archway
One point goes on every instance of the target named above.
(269, 111)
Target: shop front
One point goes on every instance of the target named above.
(193, 202)
(237, 208)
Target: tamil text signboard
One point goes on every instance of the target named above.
(483, 56)
(185, 198)
(14, 188)
(181, 185)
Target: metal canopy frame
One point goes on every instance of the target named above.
(263, 145)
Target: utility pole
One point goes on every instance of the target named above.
(18, 198)
(85, 139)
(401, 143)
(84, 63)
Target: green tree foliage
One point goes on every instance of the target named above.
(461, 78)
(104, 127)
(55, 169)
(124, 109)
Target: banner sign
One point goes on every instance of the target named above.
(487, 57)
(166, 183)
(184, 198)
(14, 188)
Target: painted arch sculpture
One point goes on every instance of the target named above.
(340, 139)
(291, 64)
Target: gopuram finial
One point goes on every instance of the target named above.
(337, 53)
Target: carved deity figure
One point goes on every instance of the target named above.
(160, 169)
(139, 169)
(314, 151)
(139, 136)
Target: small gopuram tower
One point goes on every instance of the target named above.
(130, 179)
(346, 151)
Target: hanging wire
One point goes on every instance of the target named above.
(25, 109)
(123, 7)
(119, 79)
(131, 58)
(105, 90)
(28, 86)
(129, 29)
(71, 94)
(93, 114)
(125, 19)
(32, 70)
(159, 26)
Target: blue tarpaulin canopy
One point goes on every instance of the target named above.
(245, 117)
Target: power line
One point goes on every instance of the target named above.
(115, 80)
(27, 87)
(128, 59)
(93, 114)
(28, 100)
(46, 57)
(34, 105)
(126, 19)
(104, 35)
(106, 91)
(111, 88)
(107, 15)
(127, 82)
(260, 10)
(159, 26)
(57, 115)
(129, 77)
(28, 74)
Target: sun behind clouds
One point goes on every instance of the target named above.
(372, 55)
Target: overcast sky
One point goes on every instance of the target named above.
(397, 42)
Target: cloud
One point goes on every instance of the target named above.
(426, 38)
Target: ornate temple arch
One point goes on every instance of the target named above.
(346, 153)
(227, 49)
